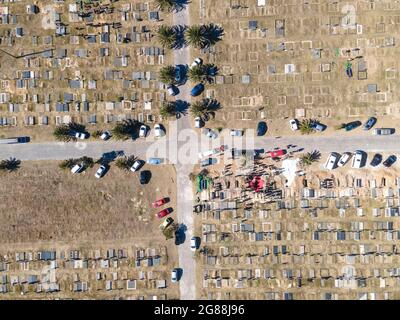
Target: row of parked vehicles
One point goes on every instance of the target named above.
(358, 160)
(144, 130)
(176, 273)
(180, 75)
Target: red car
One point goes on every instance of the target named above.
(159, 202)
(162, 213)
(277, 153)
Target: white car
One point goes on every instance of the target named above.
(205, 154)
(331, 161)
(81, 135)
(174, 275)
(294, 125)
(193, 244)
(158, 131)
(196, 62)
(197, 122)
(236, 133)
(100, 171)
(105, 135)
(142, 131)
(136, 165)
(77, 168)
(357, 159)
(344, 159)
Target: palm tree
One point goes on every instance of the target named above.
(125, 130)
(165, 5)
(196, 36)
(96, 134)
(67, 164)
(122, 163)
(197, 73)
(62, 133)
(86, 161)
(308, 158)
(199, 109)
(167, 75)
(168, 109)
(166, 36)
(306, 126)
(11, 164)
(204, 108)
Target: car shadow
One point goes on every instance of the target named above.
(179, 273)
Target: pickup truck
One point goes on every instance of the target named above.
(166, 223)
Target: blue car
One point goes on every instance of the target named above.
(180, 71)
(197, 89)
(261, 128)
(155, 161)
(370, 123)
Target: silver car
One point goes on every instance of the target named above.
(236, 133)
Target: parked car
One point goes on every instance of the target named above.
(357, 159)
(206, 162)
(332, 160)
(318, 126)
(137, 165)
(158, 131)
(294, 124)
(193, 243)
(166, 223)
(370, 123)
(163, 213)
(160, 202)
(389, 161)
(144, 176)
(81, 135)
(210, 133)
(236, 133)
(172, 90)
(155, 161)
(100, 172)
(344, 159)
(198, 122)
(376, 160)
(142, 131)
(276, 153)
(261, 128)
(77, 168)
(197, 90)
(105, 135)
(174, 275)
(179, 237)
(196, 62)
(383, 131)
(352, 125)
(179, 73)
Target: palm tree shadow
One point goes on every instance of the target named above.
(180, 5)
(12, 164)
(180, 42)
(213, 34)
(212, 106)
(181, 108)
